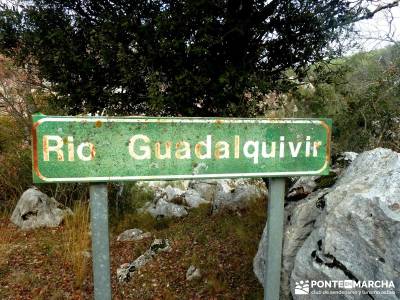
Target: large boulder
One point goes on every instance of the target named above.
(238, 193)
(35, 209)
(206, 188)
(230, 194)
(348, 231)
(174, 195)
(223, 194)
(166, 203)
(193, 198)
(300, 219)
(302, 187)
(358, 235)
(162, 208)
(182, 184)
(305, 185)
(242, 193)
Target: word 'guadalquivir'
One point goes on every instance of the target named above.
(141, 147)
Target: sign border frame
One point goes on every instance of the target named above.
(40, 119)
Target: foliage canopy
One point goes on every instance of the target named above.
(171, 57)
(360, 93)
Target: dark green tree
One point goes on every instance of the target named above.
(187, 57)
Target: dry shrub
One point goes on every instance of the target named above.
(15, 163)
(69, 193)
(6, 241)
(77, 241)
(144, 221)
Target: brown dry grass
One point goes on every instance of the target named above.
(43, 263)
(77, 241)
(5, 243)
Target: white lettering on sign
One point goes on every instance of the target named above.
(222, 150)
(294, 151)
(56, 148)
(91, 153)
(308, 146)
(183, 150)
(140, 148)
(167, 153)
(237, 146)
(71, 151)
(206, 145)
(264, 150)
(253, 147)
(146, 151)
(54, 143)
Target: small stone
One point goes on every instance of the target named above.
(134, 234)
(125, 271)
(193, 273)
(160, 245)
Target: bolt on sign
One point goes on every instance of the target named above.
(99, 149)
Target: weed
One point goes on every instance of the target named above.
(129, 197)
(6, 241)
(25, 278)
(5, 212)
(55, 295)
(15, 162)
(195, 260)
(215, 285)
(67, 193)
(77, 240)
(137, 196)
(143, 221)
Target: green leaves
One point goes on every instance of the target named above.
(361, 94)
(168, 57)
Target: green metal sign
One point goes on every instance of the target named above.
(100, 149)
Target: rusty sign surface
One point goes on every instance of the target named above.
(100, 149)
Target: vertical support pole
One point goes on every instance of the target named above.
(100, 241)
(272, 274)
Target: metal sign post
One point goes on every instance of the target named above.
(272, 274)
(100, 241)
(105, 149)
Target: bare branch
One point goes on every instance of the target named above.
(370, 14)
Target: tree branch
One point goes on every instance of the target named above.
(370, 14)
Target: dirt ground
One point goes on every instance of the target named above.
(34, 266)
